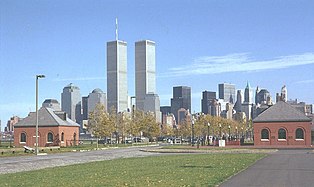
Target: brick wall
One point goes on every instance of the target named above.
(43, 136)
(290, 128)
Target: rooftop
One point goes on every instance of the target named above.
(46, 117)
(282, 112)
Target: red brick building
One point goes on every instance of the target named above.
(282, 125)
(54, 129)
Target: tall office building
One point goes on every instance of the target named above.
(84, 108)
(52, 103)
(247, 105)
(96, 97)
(145, 78)
(261, 96)
(181, 99)
(227, 92)
(117, 85)
(206, 101)
(248, 94)
(284, 93)
(145, 71)
(238, 104)
(71, 102)
(165, 111)
(152, 104)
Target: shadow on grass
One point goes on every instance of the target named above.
(197, 167)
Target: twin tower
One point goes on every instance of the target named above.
(145, 76)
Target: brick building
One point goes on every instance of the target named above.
(54, 129)
(282, 125)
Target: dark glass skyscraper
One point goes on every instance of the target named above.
(181, 99)
(207, 98)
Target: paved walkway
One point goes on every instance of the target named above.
(27, 163)
(285, 168)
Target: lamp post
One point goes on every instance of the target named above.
(37, 77)
(220, 131)
(208, 125)
(192, 131)
(236, 132)
(229, 133)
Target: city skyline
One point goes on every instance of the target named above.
(200, 45)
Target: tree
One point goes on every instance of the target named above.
(166, 130)
(152, 128)
(100, 124)
(144, 123)
(185, 128)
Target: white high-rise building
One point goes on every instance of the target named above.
(152, 104)
(284, 93)
(145, 71)
(145, 78)
(117, 85)
(96, 97)
(71, 102)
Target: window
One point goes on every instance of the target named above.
(265, 134)
(62, 137)
(299, 134)
(50, 137)
(23, 137)
(282, 134)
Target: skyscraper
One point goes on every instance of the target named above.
(117, 86)
(261, 96)
(96, 97)
(284, 93)
(181, 99)
(238, 104)
(227, 92)
(248, 94)
(84, 108)
(206, 100)
(145, 71)
(52, 103)
(247, 105)
(71, 102)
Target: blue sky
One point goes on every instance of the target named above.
(198, 44)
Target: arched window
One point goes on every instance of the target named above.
(62, 136)
(299, 134)
(23, 137)
(282, 134)
(50, 137)
(265, 134)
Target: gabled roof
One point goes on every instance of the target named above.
(281, 112)
(46, 117)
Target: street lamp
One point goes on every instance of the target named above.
(192, 131)
(229, 132)
(37, 77)
(208, 125)
(220, 130)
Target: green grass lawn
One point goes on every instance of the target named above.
(173, 170)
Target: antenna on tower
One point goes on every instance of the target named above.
(117, 29)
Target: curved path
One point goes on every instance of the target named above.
(27, 163)
(284, 168)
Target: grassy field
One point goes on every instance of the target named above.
(173, 170)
